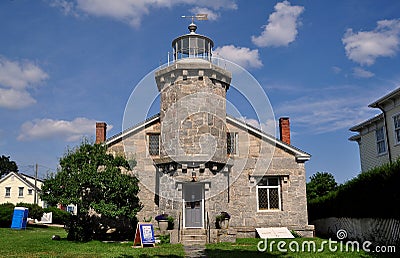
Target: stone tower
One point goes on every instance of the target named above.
(193, 106)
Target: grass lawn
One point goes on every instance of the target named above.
(36, 242)
(247, 248)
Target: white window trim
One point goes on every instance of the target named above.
(9, 193)
(394, 130)
(19, 191)
(279, 196)
(384, 142)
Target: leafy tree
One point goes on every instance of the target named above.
(7, 166)
(321, 183)
(92, 179)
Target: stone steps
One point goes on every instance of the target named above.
(194, 237)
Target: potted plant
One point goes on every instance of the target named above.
(170, 222)
(222, 220)
(162, 220)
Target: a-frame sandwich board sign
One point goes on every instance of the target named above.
(144, 235)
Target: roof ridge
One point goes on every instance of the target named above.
(132, 127)
(263, 132)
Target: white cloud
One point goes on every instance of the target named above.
(329, 109)
(15, 99)
(336, 69)
(60, 129)
(242, 56)
(211, 15)
(365, 46)
(15, 78)
(361, 73)
(68, 8)
(132, 11)
(282, 26)
(19, 75)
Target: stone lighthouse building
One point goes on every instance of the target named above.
(194, 161)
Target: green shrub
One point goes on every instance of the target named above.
(372, 194)
(79, 229)
(164, 239)
(6, 213)
(35, 211)
(59, 216)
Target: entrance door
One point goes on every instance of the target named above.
(193, 205)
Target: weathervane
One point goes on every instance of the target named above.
(199, 17)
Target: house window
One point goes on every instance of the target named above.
(231, 143)
(380, 140)
(30, 191)
(70, 209)
(8, 191)
(154, 144)
(20, 191)
(269, 194)
(396, 121)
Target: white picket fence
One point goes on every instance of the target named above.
(377, 231)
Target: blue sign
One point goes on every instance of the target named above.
(147, 233)
(144, 234)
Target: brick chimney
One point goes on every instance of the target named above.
(101, 129)
(284, 129)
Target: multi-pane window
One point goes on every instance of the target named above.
(269, 194)
(8, 191)
(20, 191)
(154, 144)
(231, 143)
(380, 140)
(396, 121)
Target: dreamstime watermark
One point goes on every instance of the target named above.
(313, 246)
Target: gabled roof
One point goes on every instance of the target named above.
(21, 177)
(377, 118)
(133, 129)
(389, 96)
(368, 122)
(300, 155)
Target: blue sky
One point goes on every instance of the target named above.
(66, 64)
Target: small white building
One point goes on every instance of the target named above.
(17, 187)
(378, 138)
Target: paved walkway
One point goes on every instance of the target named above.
(192, 251)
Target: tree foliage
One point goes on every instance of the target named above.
(7, 166)
(6, 214)
(92, 179)
(321, 183)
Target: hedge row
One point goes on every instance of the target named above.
(372, 194)
(35, 211)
